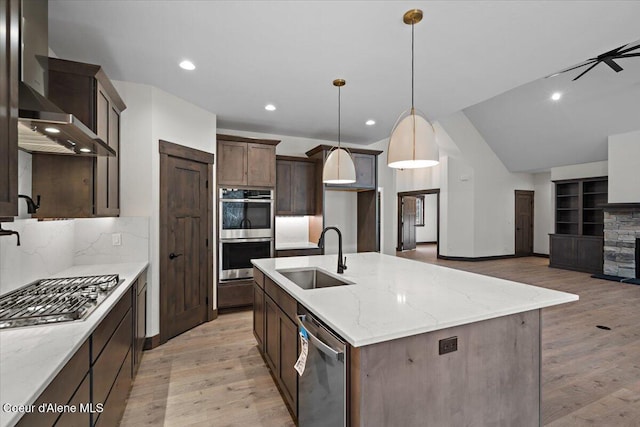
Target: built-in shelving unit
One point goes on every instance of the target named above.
(578, 241)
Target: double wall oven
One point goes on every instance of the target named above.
(245, 230)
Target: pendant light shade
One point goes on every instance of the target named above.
(413, 141)
(339, 167)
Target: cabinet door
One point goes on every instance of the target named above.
(9, 48)
(102, 164)
(261, 165)
(288, 355)
(562, 251)
(590, 254)
(141, 321)
(304, 188)
(232, 164)
(258, 316)
(365, 170)
(113, 164)
(284, 184)
(271, 344)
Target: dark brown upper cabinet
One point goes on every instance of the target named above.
(296, 180)
(76, 187)
(246, 162)
(9, 78)
(365, 161)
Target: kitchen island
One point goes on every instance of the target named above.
(398, 317)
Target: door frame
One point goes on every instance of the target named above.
(515, 220)
(169, 149)
(399, 215)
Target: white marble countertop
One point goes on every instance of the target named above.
(298, 245)
(31, 357)
(394, 297)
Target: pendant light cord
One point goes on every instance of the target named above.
(412, 66)
(338, 116)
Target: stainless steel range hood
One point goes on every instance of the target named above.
(42, 125)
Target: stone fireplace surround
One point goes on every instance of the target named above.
(621, 240)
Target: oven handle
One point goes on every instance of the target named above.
(246, 200)
(259, 239)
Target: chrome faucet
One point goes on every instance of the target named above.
(342, 264)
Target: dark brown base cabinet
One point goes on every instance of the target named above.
(298, 252)
(97, 378)
(236, 294)
(579, 253)
(276, 331)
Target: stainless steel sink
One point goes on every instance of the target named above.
(313, 278)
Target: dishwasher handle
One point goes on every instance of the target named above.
(329, 351)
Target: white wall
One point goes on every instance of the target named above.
(429, 232)
(543, 205)
(478, 173)
(582, 170)
(151, 115)
(624, 168)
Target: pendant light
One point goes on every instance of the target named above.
(413, 141)
(339, 167)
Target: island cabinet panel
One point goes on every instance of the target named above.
(492, 379)
(140, 316)
(79, 400)
(62, 390)
(275, 311)
(116, 401)
(258, 315)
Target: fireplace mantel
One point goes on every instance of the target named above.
(621, 206)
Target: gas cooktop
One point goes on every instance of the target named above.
(55, 300)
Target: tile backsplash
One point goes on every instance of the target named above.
(51, 246)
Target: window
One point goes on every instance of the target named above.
(420, 211)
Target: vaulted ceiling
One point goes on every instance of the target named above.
(250, 53)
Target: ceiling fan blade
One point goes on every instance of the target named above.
(585, 72)
(627, 55)
(573, 68)
(611, 52)
(611, 63)
(629, 49)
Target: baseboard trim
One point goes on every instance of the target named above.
(474, 259)
(540, 255)
(426, 243)
(151, 342)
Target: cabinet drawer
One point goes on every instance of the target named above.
(61, 389)
(108, 364)
(283, 299)
(81, 397)
(106, 328)
(258, 277)
(116, 402)
(298, 252)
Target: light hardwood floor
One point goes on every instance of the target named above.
(213, 375)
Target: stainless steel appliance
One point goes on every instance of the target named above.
(322, 388)
(55, 300)
(246, 230)
(246, 213)
(236, 255)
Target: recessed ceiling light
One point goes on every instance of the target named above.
(85, 150)
(370, 122)
(270, 107)
(52, 130)
(556, 96)
(187, 65)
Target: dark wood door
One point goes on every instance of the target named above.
(186, 261)
(9, 49)
(408, 223)
(524, 223)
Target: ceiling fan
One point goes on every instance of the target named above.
(607, 58)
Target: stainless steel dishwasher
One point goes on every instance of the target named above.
(322, 388)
